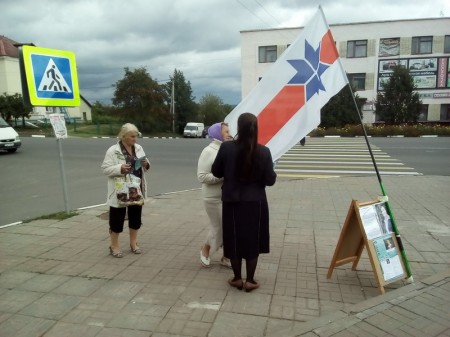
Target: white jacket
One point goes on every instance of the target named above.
(111, 166)
(211, 186)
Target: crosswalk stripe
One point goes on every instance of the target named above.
(280, 162)
(350, 171)
(323, 176)
(332, 155)
(380, 167)
(330, 158)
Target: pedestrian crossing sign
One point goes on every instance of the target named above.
(51, 77)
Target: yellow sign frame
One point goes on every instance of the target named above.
(34, 59)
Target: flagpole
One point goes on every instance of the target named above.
(388, 206)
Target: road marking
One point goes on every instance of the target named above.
(338, 157)
(351, 172)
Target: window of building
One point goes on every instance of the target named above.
(447, 44)
(357, 81)
(422, 45)
(357, 48)
(389, 47)
(445, 112)
(267, 54)
(423, 116)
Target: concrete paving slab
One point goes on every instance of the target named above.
(58, 279)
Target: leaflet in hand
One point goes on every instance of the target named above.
(138, 163)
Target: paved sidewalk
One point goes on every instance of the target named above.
(57, 279)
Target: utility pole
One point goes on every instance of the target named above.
(172, 105)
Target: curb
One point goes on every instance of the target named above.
(396, 136)
(99, 137)
(104, 204)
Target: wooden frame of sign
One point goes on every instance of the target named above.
(351, 244)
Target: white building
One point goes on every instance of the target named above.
(368, 51)
(10, 83)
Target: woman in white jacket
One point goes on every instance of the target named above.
(212, 192)
(120, 159)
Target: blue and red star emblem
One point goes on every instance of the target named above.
(309, 71)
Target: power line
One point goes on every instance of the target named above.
(265, 10)
(280, 32)
(253, 13)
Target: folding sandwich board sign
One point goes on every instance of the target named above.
(368, 225)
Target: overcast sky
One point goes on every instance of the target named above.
(198, 37)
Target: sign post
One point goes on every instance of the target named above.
(49, 78)
(59, 127)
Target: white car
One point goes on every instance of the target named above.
(194, 130)
(9, 138)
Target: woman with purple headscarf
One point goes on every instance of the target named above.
(212, 193)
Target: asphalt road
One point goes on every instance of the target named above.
(31, 179)
(430, 156)
(31, 183)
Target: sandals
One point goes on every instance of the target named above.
(117, 254)
(136, 250)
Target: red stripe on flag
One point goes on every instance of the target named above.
(328, 51)
(279, 111)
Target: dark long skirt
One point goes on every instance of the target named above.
(245, 229)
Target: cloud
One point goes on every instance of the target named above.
(199, 37)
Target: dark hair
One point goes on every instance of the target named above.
(247, 143)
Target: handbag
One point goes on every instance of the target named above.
(128, 190)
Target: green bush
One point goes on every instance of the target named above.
(382, 130)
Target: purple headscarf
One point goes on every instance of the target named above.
(215, 131)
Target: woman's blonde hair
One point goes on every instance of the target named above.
(127, 128)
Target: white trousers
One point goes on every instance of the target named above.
(213, 208)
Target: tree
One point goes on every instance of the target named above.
(104, 113)
(340, 109)
(211, 109)
(141, 100)
(185, 107)
(12, 106)
(399, 102)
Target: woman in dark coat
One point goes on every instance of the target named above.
(247, 169)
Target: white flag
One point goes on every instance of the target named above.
(288, 99)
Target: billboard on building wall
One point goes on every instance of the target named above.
(448, 75)
(389, 47)
(443, 70)
(427, 73)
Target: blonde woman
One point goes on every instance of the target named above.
(120, 160)
(211, 192)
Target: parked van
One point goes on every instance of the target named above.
(9, 138)
(193, 130)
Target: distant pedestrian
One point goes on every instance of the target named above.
(303, 141)
(120, 160)
(247, 169)
(211, 192)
